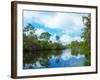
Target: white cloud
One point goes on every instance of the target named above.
(30, 14)
(66, 21)
(69, 23)
(39, 31)
(63, 21)
(53, 38)
(54, 21)
(66, 39)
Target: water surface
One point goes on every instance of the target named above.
(52, 59)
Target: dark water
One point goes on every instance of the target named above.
(52, 59)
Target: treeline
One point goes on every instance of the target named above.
(83, 47)
(33, 42)
(75, 47)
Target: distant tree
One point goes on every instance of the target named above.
(29, 29)
(45, 35)
(75, 47)
(57, 38)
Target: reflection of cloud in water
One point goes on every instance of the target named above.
(37, 65)
(65, 59)
(67, 55)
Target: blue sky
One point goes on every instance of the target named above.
(64, 24)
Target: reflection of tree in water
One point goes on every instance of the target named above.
(42, 57)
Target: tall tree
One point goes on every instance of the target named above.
(29, 29)
(45, 35)
(29, 37)
(86, 35)
(57, 38)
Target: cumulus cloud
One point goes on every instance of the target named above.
(70, 24)
(30, 14)
(53, 38)
(66, 39)
(68, 21)
(56, 20)
(39, 31)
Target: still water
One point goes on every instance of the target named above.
(52, 59)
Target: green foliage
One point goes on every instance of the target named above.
(45, 35)
(87, 42)
(84, 47)
(75, 47)
(28, 37)
(32, 42)
(32, 57)
(28, 28)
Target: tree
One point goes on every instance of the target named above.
(87, 30)
(29, 30)
(45, 35)
(57, 38)
(86, 35)
(75, 47)
(29, 37)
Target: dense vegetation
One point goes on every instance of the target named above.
(33, 42)
(84, 47)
